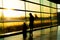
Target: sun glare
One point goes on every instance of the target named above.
(13, 4)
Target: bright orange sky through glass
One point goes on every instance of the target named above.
(12, 13)
(13, 4)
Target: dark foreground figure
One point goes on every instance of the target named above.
(31, 26)
(24, 31)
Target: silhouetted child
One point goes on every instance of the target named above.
(24, 31)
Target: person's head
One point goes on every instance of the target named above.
(30, 13)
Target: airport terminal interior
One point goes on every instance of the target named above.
(29, 20)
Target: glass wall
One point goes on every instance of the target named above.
(33, 17)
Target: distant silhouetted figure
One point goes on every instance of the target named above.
(31, 26)
(36, 17)
(24, 31)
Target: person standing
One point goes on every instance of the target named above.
(24, 31)
(31, 19)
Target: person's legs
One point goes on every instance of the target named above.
(31, 35)
(24, 35)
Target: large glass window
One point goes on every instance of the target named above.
(54, 19)
(32, 7)
(13, 20)
(14, 15)
(45, 9)
(53, 5)
(19, 15)
(46, 21)
(10, 19)
(42, 8)
(45, 2)
(53, 10)
(13, 4)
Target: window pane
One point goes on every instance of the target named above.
(14, 15)
(46, 21)
(54, 19)
(53, 10)
(54, 16)
(13, 4)
(54, 22)
(45, 2)
(36, 1)
(13, 20)
(32, 7)
(42, 8)
(53, 5)
(45, 9)
(45, 15)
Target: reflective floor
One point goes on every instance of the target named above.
(58, 36)
(37, 35)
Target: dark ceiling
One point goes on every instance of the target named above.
(55, 1)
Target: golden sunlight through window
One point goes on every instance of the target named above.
(13, 4)
(12, 13)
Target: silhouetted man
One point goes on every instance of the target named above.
(31, 26)
(24, 31)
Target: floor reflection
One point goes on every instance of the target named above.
(58, 34)
(44, 34)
